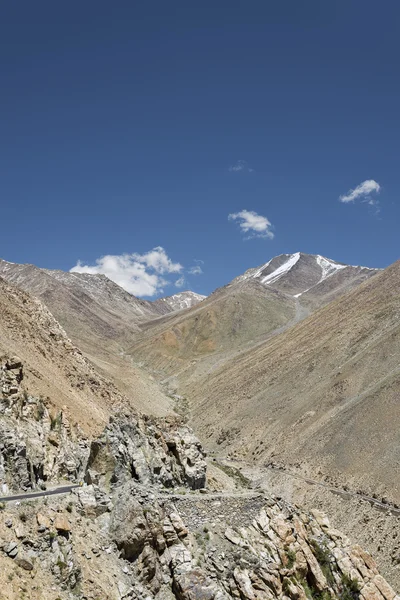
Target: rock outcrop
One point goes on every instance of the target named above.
(37, 443)
(144, 525)
(148, 450)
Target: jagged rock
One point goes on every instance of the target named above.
(11, 549)
(281, 527)
(315, 569)
(385, 589)
(62, 524)
(14, 362)
(43, 521)
(233, 537)
(195, 585)
(148, 451)
(371, 592)
(169, 533)
(19, 532)
(178, 524)
(321, 518)
(243, 582)
(132, 526)
(33, 447)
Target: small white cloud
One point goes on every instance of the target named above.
(251, 222)
(240, 165)
(180, 282)
(138, 274)
(197, 270)
(363, 192)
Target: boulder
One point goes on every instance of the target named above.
(11, 549)
(62, 524)
(43, 521)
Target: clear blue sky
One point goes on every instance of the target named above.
(120, 121)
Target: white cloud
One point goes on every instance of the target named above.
(363, 191)
(251, 222)
(180, 282)
(197, 270)
(240, 165)
(139, 274)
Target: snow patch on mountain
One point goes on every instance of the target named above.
(282, 270)
(182, 300)
(328, 267)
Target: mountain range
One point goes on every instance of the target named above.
(293, 365)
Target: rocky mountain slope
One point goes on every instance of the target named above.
(120, 334)
(319, 396)
(99, 317)
(84, 304)
(56, 368)
(251, 309)
(314, 279)
(310, 396)
(141, 529)
(178, 301)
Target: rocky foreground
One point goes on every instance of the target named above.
(144, 525)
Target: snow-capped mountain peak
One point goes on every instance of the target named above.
(179, 301)
(298, 273)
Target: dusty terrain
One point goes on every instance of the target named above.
(143, 525)
(262, 303)
(319, 395)
(55, 368)
(264, 374)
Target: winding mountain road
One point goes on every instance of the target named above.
(253, 475)
(65, 489)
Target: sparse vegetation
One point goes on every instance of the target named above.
(181, 405)
(61, 564)
(40, 411)
(323, 556)
(351, 588)
(55, 421)
(312, 593)
(237, 475)
(52, 536)
(291, 558)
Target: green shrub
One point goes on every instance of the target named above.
(323, 556)
(351, 588)
(291, 558)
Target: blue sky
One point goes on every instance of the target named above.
(130, 126)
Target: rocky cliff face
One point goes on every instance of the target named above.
(150, 451)
(37, 443)
(145, 527)
(140, 542)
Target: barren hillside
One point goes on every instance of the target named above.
(226, 322)
(254, 307)
(55, 368)
(322, 396)
(101, 318)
